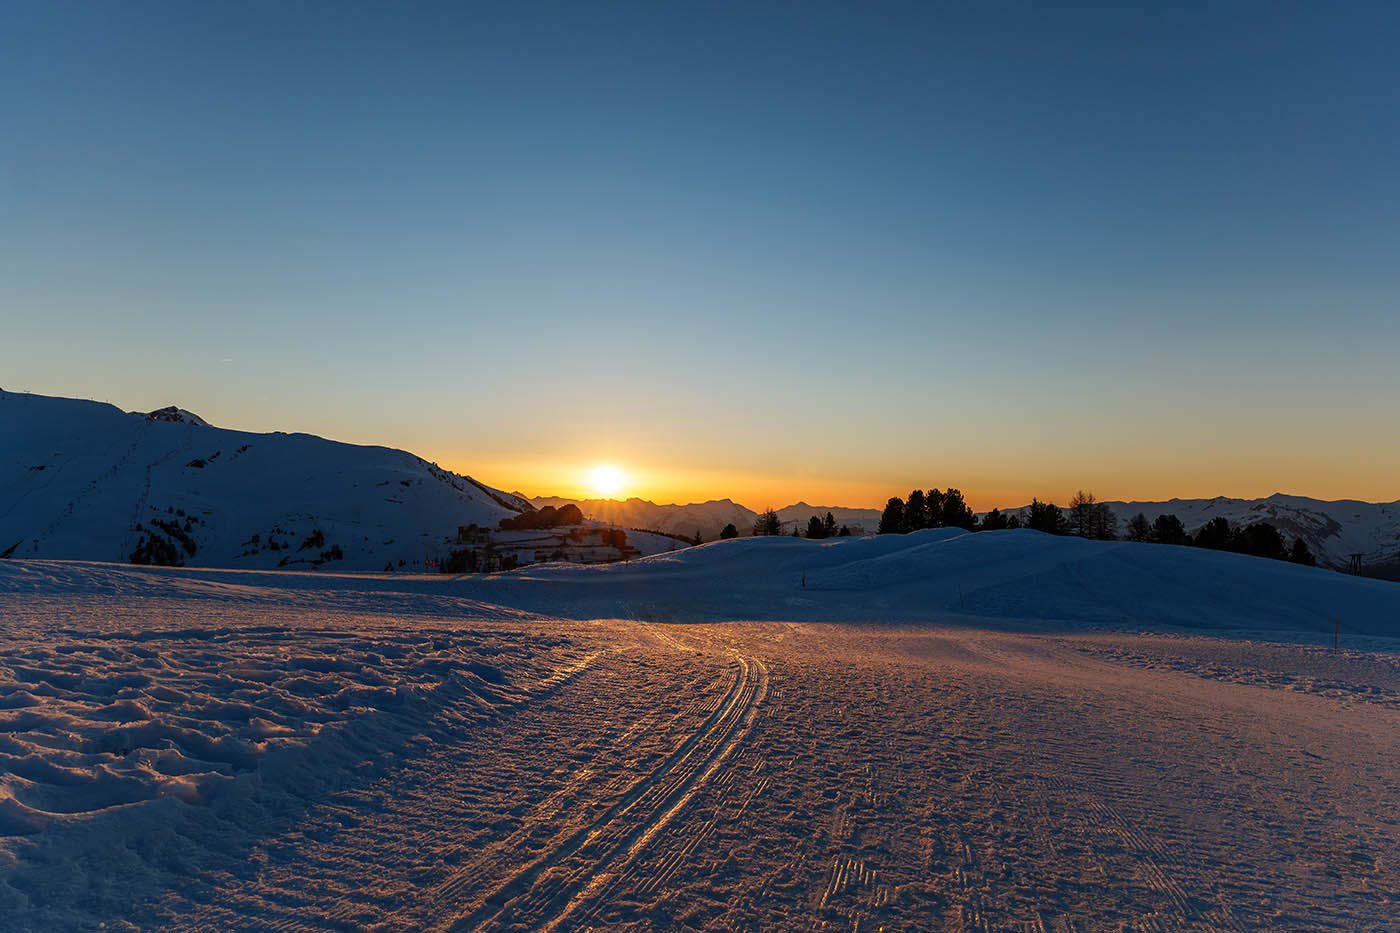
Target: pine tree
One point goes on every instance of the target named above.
(955, 512)
(829, 526)
(768, 524)
(892, 520)
(916, 511)
(729, 532)
(1300, 554)
(1139, 528)
(815, 529)
(1215, 534)
(1046, 517)
(1167, 529)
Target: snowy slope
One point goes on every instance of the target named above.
(1333, 530)
(946, 574)
(85, 480)
(170, 735)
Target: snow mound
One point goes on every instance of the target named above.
(950, 575)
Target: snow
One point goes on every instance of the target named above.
(77, 478)
(938, 729)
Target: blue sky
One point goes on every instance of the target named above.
(770, 251)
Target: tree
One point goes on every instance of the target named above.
(933, 504)
(1262, 540)
(729, 532)
(1139, 529)
(892, 520)
(767, 523)
(1046, 517)
(815, 529)
(1103, 524)
(1089, 518)
(993, 521)
(829, 526)
(955, 513)
(1214, 534)
(697, 540)
(916, 511)
(1167, 529)
(1013, 520)
(1300, 554)
(844, 532)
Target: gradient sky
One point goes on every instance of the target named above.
(767, 251)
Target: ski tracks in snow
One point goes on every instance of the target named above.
(585, 866)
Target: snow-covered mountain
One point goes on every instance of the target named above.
(707, 518)
(85, 480)
(858, 520)
(1332, 530)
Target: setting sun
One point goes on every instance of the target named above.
(607, 480)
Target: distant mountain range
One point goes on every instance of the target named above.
(1333, 530)
(707, 518)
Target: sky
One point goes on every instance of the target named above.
(767, 251)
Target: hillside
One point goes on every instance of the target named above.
(84, 480)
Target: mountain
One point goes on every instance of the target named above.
(858, 520)
(1333, 530)
(708, 518)
(85, 480)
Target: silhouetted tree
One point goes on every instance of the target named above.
(1046, 517)
(1167, 529)
(1214, 534)
(916, 514)
(993, 521)
(1139, 528)
(844, 532)
(829, 526)
(1089, 518)
(1300, 554)
(892, 520)
(729, 532)
(1262, 540)
(933, 505)
(697, 540)
(1013, 520)
(815, 528)
(768, 523)
(955, 513)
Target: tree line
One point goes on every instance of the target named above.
(1086, 517)
(768, 523)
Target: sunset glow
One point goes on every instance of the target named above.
(607, 480)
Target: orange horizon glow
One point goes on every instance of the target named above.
(670, 485)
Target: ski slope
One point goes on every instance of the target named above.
(938, 730)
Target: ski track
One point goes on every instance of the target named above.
(751, 776)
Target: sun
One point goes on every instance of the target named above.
(607, 480)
